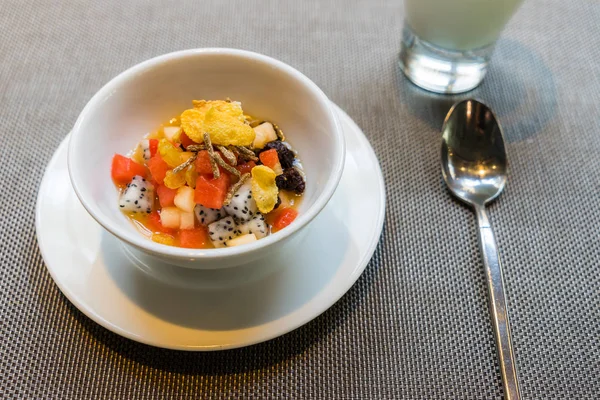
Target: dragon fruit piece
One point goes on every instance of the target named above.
(222, 230)
(138, 196)
(145, 147)
(242, 205)
(256, 225)
(207, 215)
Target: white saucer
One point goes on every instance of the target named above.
(177, 308)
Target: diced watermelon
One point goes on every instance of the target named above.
(222, 183)
(284, 217)
(203, 163)
(269, 158)
(153, 146)
(196, 238)
(185, 140)
(124, 169)
(155, 225)
(158, 168)
(246, 167)
(166, 196)
(211, 193)
(203, 166)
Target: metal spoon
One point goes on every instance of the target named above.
(474, 167)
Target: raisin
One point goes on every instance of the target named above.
(291, 180)
(286, 156)
(278, 203)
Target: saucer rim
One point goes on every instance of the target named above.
(348, 282)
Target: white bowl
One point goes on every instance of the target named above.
(141, 98)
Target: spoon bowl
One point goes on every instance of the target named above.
(474, 166)
(474, 162)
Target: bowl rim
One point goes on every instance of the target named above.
(138, 240)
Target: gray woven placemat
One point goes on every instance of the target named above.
(416, 323)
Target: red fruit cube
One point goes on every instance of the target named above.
(166, 196)
(270, 158)
(246, 167)
(153, 144)
(124, 169)
(211, 192)
(185, 140)
(284, 217)
(196, 238)
(158, 168)
(203, 165)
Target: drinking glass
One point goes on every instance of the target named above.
(447, 44)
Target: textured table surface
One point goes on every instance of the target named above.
(416, 324)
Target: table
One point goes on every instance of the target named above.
(416, 324)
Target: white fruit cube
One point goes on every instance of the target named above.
(171, 131)
(184, 199)
(265, 133)
(244, 239)
(186, 220)
(277, 169)
(170, 217)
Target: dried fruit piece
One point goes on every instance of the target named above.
(175, 180)
(169, 153)
(291, 179)
(264, 189)
(190, 177)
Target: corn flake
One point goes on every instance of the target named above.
(226, 130)
(192, 122)
(224, 121)
(233, 109)
(264, 188)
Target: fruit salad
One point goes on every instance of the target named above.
(210, 177)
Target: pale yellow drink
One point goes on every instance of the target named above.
(459, 24)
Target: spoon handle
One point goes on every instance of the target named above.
(498, 308)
